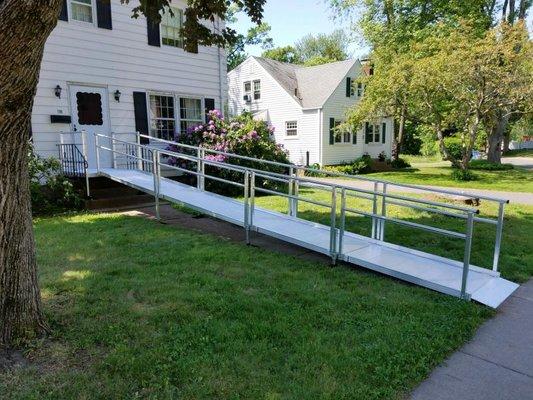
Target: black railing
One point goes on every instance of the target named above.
(73, 162)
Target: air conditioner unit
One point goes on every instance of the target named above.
(247, 98)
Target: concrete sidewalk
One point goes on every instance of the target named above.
(497, 364)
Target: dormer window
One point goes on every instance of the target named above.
(171, 28)
(82, 10)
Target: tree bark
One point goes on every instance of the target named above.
(494, 141)
(401, 130)
(26, 24)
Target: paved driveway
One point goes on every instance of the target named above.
(524, 162)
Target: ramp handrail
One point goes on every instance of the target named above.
(380, 198)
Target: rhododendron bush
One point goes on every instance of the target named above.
(241, 135)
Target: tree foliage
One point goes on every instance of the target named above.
(286, 54)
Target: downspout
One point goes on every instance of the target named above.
(320, 136)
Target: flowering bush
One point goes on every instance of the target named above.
(241, 136)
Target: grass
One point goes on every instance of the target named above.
(143, 310)
(516, 261)
(519, 153)
(515, 180)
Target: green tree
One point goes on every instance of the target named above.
(26, 26)
(256, 35)
(323, 48)
(286, 54)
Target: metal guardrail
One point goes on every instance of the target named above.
(379, 196)
(74, 163)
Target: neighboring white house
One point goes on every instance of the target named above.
(104, 71)
(304, 104)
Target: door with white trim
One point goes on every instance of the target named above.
(90, 113)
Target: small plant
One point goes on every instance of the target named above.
(382, 157)
(464, 175)
(362, 165)
(50, 190)
(400, 163)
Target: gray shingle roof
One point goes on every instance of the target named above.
(315, 84)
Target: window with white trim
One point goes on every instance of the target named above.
(190, 113)
(341, 135)
(373, 133)
(247, 90)
(162, 117)
(81, 10)
(171, 27)
(257, 90)
(360, 89)
(291, 128)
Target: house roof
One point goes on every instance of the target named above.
(315, 84)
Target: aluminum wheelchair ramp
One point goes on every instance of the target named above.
(423, 269)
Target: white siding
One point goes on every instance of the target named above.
(336, 107)
(279, 108)
(120, 58)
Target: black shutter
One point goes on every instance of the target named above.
(383, 131)
(332, 131)
(141, 114)
(209, 105)
(153, 32)
(64, 12)
(348, 87)
(354, 137)
(103, 14)
(367, 133)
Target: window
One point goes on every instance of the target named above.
(171, 26)
(190, 113)
(372, 133)
(352, 88)
(247, 91)
(89, 107)
(340, 135)
(257, 90)
(359, 89)
(291, 128)
(162, 117)
(81, 10)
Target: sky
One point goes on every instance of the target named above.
(292, 19)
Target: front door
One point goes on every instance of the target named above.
(90, 113)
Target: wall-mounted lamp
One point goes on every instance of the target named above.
(57, 91)
(117, 95)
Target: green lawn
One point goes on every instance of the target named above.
(519, 153)
(515, 180)
(143, 310)
(516, 261)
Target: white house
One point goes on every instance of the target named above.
(304, 104)
(104, 71)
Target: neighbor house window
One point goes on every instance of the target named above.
(291, 128)
(257, 90)
(248, 90)
(162, 117)
(341, 135)
(190, 113)
(171, 28)
(372, 133)
(359, 89)
(81, 10)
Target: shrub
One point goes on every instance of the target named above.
(462, 175)
(400, 163)
(242, 136)
(362, 165)
(454, 146)
(488, 166)
(50, 190)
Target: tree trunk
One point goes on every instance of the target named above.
(401, 130)
(444, 150)
(494, 141)
(25, 26)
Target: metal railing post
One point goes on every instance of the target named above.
(139, 151)
(97, 148)
(468, 250)
(333, 226)
(383, 213)
(155, 171)
(343, 220)
(291, 200)
(113, 148)
(374, 211)
(498, 242)
(252, 198)
(247, 205)
(200, 169)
